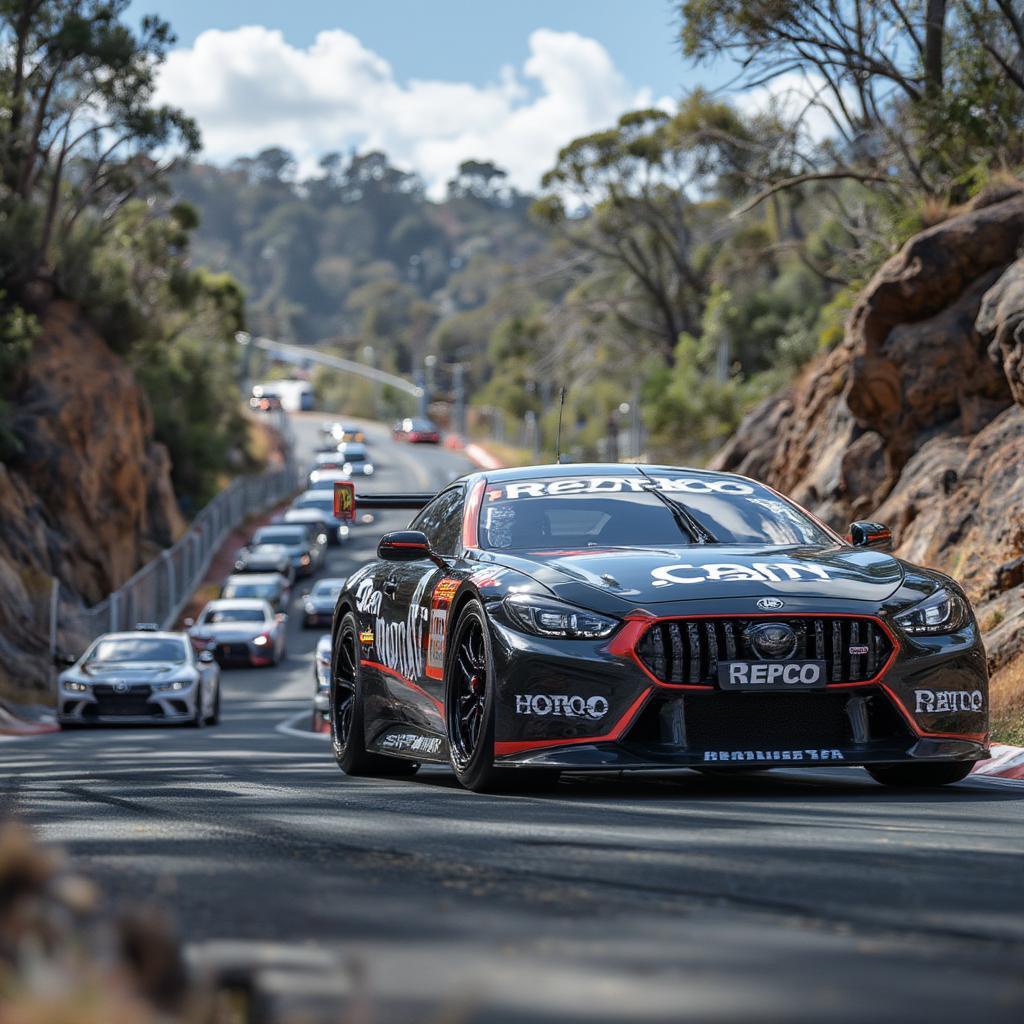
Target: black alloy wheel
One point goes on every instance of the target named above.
(469, 691)
(470, 696)
(348, 738)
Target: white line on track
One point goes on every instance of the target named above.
(288, 727)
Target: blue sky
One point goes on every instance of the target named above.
(430, 82)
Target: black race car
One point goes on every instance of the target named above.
(606, 617)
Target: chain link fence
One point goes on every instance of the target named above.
(158, 591)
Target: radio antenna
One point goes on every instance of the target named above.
(558, 436)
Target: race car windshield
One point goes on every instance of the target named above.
(148, 649)
(324, 504)
(234, 615)
(327, 588)
(282, 537)
(583, 512)
(255, 590)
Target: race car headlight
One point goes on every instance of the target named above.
(368, 469)
(262, 640)
(173, 684)
(942, 612)
(544, 617)
(73, 687)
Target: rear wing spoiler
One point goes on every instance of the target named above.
(345, 500)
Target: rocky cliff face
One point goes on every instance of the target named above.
(88, 502)
(917, 419)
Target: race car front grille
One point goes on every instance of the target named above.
(233, 652)
(689, 650)
(134, 704)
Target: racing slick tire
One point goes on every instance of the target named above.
(348, 736)
(920, 776)
(469, 713)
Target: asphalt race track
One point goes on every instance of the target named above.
(784, 896)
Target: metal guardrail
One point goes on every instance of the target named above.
(159, 590)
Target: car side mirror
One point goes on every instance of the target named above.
(403, 546)
(871, 535)
(206, 657)
(67, 660)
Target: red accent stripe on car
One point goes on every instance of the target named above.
(471, 517)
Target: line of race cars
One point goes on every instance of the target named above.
(584, 618)
(148, 675)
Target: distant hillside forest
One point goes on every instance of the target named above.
(642, 293)
(680, 266)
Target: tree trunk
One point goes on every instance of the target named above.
(934, 42)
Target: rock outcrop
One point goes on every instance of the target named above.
(87, 502)
(917, 418)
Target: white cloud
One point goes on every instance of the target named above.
(796, 94)
(249, 89)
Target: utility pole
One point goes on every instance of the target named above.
(430, 362)
(421, 382)
(459, 396)
(612, 455)
(637, 425)
(369, 356)
(245, 365)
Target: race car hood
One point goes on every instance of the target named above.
(262, 562)
(129, 671)
(652, 576)
(232, 630)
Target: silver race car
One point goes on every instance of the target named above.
(242, 631)
(140, 676)
(322, 682)
(318, 604)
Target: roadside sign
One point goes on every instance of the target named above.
(345, 500)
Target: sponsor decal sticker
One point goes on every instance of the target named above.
(859, 649)
(616, 485)
(769, 604)
(929, 701)
(561, 705)
(366, 637)
(730, 572)
(412, 742)
(808, 754)
(771, 675)
(440, 604)
(368, 599)
(401, 645)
